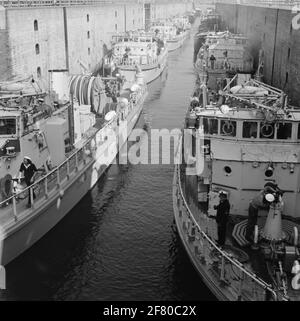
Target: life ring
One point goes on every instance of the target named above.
(228, 128)
(6, 186)
(265, 131)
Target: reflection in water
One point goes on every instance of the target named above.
(120, 242)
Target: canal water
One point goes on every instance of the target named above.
(120, 242)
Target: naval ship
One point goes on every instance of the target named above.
(240, 142)
(72, 133)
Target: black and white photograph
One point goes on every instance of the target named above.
(149, 154)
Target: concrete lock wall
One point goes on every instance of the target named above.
(270, 30)
(36, 40)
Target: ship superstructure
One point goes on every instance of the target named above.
(241, 139)
(173, 31)
(72, 134)
(139, 50)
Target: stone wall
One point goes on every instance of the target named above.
(36, 40)
(270, 30)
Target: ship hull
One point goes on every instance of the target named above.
(189, 246)
(29, 228)
(176, 43)
(150, 72)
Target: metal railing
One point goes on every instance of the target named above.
(59, 3)
(49, 185)
(236, 281)
(13, 208)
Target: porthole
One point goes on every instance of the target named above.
(227, 170)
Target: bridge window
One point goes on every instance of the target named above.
(249, 129)
(37, 49)
(228, 128)
(35, 25)
(267, 131)
(210, 126)
(7, 126)
(298, 131)
(284, 131)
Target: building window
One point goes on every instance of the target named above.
(38, 72)
(35, 25)
(87, 17)
(116, 14)
(37, 49)
(265, 19)
(88, 35)
(116, 27)
(133, 21)
(89, 51)
(286, 77)
(289, 53)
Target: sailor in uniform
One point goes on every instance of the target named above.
(223, 210)
(29, 171)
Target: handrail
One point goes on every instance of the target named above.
(65, 162)
(235, 262)
(56, 169)
(59, 3)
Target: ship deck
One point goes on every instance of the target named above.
(209, 263)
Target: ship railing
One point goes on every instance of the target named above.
(236, 279)
(60, 3)
(134, 62)
(51, 184)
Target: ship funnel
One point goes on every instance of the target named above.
(273, 227)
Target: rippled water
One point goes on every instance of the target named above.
(120, 242)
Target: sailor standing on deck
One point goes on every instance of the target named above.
(223, 210)
(29, 171)
(212, 61)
